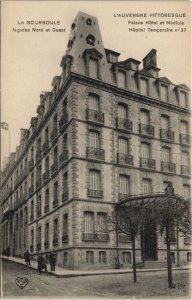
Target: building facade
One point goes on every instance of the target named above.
(108, 129)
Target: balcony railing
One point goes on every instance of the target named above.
(65, 238)
(31, 248)
(63, 122)
(168, 167)
(38, 183)
(147, 163)
(38, 156)
(45, 147)
(95, 236)
(46, 244)
(55, 203)
(187, 240)
(31, 190)
(123, 196)
(63, 158)
(124, 124)
(31, 164)
(39, 213)
(8, 209)
(55, 241)
(94, 193)
(95, 116)
(184, 139)
(172, 240)
(38, 246)
(46, 177)
(95, 153)
(123, 238)
(54, 167)
(46, 208)
(167, 135)
(65, 195)
(31, 218)
(185, 170)
(146, 129)
(54, 135)
(125, 159)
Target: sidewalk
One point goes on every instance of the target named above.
(61, 272)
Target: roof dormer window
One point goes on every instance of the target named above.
(183, 99)
(164, 92)
(144, 86)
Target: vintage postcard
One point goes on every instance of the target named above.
(95, 149)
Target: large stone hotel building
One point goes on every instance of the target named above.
(108, 129)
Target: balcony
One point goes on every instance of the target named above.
(38, 246)
(55, 242)
(123, 238)
(187, 240)
(124, 124)
(38, 213)
(167, 135)
(123, 196)
(54, 136)
(63, 158)
(172, 240)
(65, 196)
(46, 208)
(184, 139)
(31, 248)
(95, 153)
(46, 244)
(124, 159)
(168, 167)
(45, 147)
(95, 237)
(31, 218)
(38, 156)
(38, 183)
(54, 167)
(147, 163)
(146, 129)
(31, 190)
(31, 164)
(185, 170)
(95, 193)
(63, 122)
(8, 210)
(55, 203)
(95, 116)
(65, 238)
(46, 177)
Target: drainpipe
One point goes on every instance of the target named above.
(178, 258)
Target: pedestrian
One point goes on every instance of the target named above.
(52, 260)
(41, 264)
(27, 258)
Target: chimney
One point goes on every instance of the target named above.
(150, 63)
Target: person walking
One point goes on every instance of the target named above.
(52, 260)
(41, 264)
(27, 258)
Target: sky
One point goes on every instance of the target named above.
(30, 60)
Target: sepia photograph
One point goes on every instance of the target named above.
(95, 197)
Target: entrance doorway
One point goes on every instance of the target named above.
(149, 242)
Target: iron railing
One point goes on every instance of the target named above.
(124, 124)
(168, 167)
(167, 135)
(95, 236)
(94, 193)
(125, 159)
(95, 116)
(95, 153)
(184, 139)
(146, 129)
(147, 163)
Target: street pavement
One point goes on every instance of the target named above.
(102, 286)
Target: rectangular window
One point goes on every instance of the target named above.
(146, 186)
(164, 92)
(145, 150)
(185, 158)
(101, 222)
(184, 127)
(123, 146)
(186, 192)
(94, 180)
(122, 111)
(144, 86)
(145, 117)
(166, 154)
(121, 79)
(32, 208)
(183, 99)
(65, 182)
(32, 237)
(88, 222)
(165, 122)
(93, 68)
(124, 185)
(94, 139)
(55, 229)
(126, 257)
(47, 197)
(46, 134)
(102, 257)
(55, 191)
(90, 257)
(65, 224)
(39, 235)
(93, 102)
(46, 231)
(39, 205)
(65, 258)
